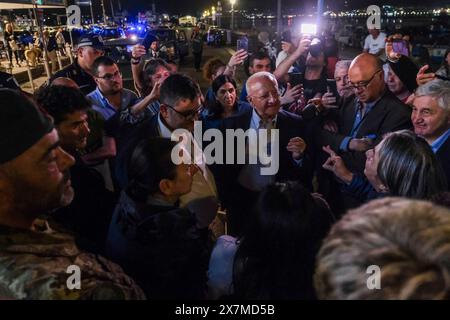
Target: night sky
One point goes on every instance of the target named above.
(194, 6)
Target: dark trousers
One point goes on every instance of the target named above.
(197, 59)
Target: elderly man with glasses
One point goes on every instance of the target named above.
(241, 182)
(364, 117)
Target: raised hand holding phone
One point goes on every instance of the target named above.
(238, 58)
(138, 51)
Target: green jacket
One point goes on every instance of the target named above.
(34, 265)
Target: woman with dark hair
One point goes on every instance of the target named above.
(155, 241)
(402, 164)
(215, 67)
(225, 104)
(274, 259)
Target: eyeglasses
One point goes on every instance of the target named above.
(188, 115)
(109, 76)
(274, 94)
(363, 84)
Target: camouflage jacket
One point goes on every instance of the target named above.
(34, 264)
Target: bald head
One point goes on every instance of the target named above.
(367, 62)
(64, 82)
(366, 74)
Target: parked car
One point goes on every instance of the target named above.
(216, 37)
(173, 41)
(108, 33)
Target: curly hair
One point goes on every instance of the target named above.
(60, 101)
(407, 239)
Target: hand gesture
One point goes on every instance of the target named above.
(336, 165)
(238, 58)
(297, 146)
(287, 47)
(423, 77)
(303, 46)
(138, 51)
(329, 101)
(292, 94)
(154, 94)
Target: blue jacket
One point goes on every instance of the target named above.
(361, 189)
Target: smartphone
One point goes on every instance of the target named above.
(242, 45)
(332, 87)
(400, 46)
(296, 78)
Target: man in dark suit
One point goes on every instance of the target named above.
(366, 116)
(362, 119)
(239, 184)
(431, 119)
(180, 98)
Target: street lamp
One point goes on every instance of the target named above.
(92, 13)
(232, 2)
(213, 15)
(103, 10)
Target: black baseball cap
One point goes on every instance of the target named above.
(22, 124)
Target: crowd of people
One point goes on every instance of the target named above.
(30, 52)
(87, 178)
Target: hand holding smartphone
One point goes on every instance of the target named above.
(400, 46)
(295, 79)
(242, 44)
(332, 88)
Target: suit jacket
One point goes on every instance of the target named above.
(387, 115)
(443, 155)
(289, 126)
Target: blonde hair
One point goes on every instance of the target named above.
(409, 240)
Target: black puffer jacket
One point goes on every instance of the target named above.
(159, 246)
